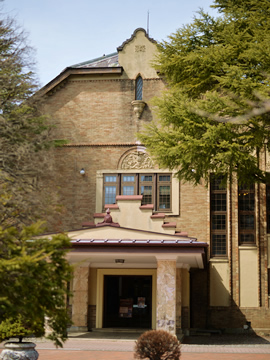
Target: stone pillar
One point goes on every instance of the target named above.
(166, 295)
(178, 300)
(80, 299)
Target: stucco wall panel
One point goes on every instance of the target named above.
(249, 277)
(219, 284)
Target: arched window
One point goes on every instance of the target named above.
(138, 88)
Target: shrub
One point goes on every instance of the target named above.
(19, 328)
(157, 345)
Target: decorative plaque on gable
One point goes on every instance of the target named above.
(137, 160)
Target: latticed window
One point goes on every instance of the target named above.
(128, 185)
(110, 189)
(164, 192)
(218, 211)
(146, 188)
(155, 188)
(138, 88)
(246, 214)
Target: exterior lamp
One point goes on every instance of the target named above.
(82, 171)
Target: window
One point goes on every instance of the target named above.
(110, 188)
(164, 192)
(146, 188)
(155, 188)
(246, 214)
(138, 88)
(218, 214)
(128, 185)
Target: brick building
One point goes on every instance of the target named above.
(149, 252)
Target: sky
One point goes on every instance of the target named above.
(68, 32)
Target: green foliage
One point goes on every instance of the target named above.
(24, 134)
(20, 329)
(216, 69)
(34, 274)
(157, 345)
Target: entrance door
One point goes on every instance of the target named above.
(127, 301)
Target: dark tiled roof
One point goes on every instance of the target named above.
(138, 242)
(110, 60)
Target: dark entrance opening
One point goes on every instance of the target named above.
(127, 301)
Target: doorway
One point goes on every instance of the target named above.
(127, 301)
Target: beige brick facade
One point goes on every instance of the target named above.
(91, 109)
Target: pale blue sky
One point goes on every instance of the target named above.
(67, 32)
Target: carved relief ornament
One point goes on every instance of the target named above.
(137, 160)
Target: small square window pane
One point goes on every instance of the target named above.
(146, 191)
(128, 190)
(219, 244)
(128, 178)
(246, 202)
(218, 202)
(146, 177)
(110, 178)
(164, 197)
(247, 238)
(110, 194)
(219, 222)
(164, 178)
(247, 222)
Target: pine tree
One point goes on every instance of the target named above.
(34, 274)
(214, 117)
(34, 271)
(24, 133)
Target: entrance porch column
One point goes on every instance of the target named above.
(80, 298)
(166, 295)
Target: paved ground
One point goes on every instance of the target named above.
(215, 347)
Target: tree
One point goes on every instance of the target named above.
(24, 133)
(34, 274)
(214, 117)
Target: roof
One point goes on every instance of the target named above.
(138, 252)
(110, 60)
(106, 64)
(139, 242)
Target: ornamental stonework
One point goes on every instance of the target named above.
(140, 48)
(137, 160)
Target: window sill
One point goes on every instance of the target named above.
(248, 247)
(219, 260)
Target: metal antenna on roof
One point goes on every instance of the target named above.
(148, 22)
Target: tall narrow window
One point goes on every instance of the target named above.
(138, 88)
(110, 189)
(218, 211)
(146, 188)
(246, 214)
(164, 192)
